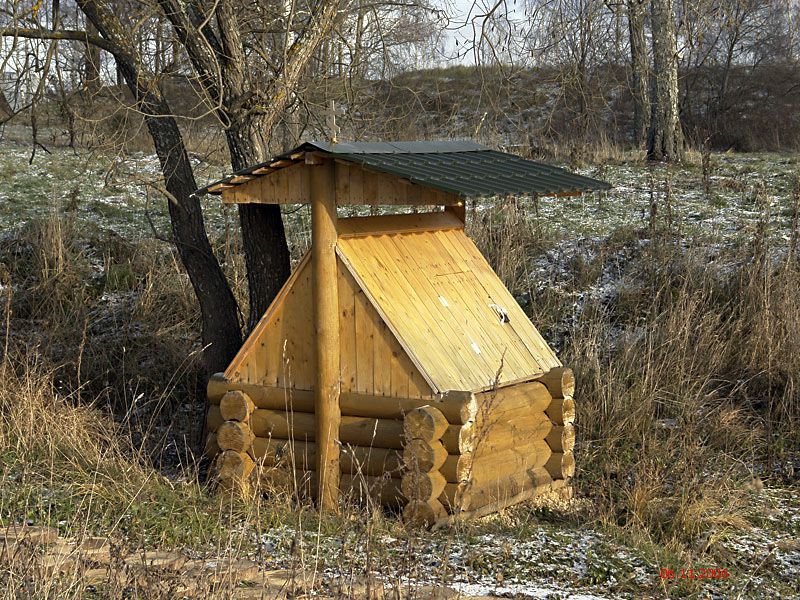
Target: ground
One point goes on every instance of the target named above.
(581, 254)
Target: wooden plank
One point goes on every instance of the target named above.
(522, 325)
(496, 292)
(370, 186)
(286, 184)
(273, 351)
(371, 183)
(455, 302)
(296, 335)
(273, 310)
(405, 223)
(377, 296)
(347, 330)
(520, 363)
(365, 334)
(417, 385)
(455, 354)
(300, 339)
(382, 357)
(239, 179)
(409, 278)
(356, 195)
(401, 368)
(342, 185)
(459, 211)
(220, 188)
(411, 295)
(500, 343)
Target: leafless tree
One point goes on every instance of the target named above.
(640, 69)
(248, 60)
(666, 138)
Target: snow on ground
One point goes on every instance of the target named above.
(540, 559)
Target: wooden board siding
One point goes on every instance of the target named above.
(372, 360)
(437, 294)
(354, 184)
(402, 223)
(279, 353)
(288, 185)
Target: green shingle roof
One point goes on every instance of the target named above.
(463, 168)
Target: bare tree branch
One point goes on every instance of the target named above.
(63, 34)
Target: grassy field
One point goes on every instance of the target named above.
(674, 297)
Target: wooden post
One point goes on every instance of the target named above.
(326, 325)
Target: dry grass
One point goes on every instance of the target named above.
(687, 378)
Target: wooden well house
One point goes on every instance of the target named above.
(394, 362)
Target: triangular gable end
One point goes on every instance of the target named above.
(280, 353)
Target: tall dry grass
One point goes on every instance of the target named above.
(112, 321)
(687, 378)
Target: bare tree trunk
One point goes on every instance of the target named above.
(91, 63)
(219, 59)
(639, 71)
(666, 138)
(266, 252)
(218, 308)
(6, 111)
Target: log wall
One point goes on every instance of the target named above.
(459, 456)
(560, 382)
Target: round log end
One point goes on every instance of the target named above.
(561, 438)
(216, 387)
(423, 514)
(235, 405)
(568, 465)
(234, 465)
(567, 383)
(560, 382)
(419, 455)
(422, 487)
(234, 435)
(425, 423)
(568, 410)
(561, 411)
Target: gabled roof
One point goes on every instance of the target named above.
(463, 168)
(453, 324)
(448, 309)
